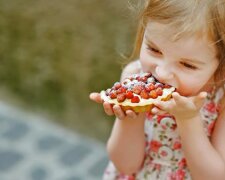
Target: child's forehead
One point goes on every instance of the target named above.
(175, 33)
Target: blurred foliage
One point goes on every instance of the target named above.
(54, 53)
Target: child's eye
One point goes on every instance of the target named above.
(154, 50)
(189, 66)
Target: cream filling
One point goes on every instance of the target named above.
(143, 102)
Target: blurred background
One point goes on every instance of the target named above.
(52, 55)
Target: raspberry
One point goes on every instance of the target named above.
(112, 95)
(144, 94)
(159, 91)
(121, 97)
(129, 95)
(135, 99)
(137, 89)
(153, 94)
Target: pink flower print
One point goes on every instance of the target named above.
(157, 166)
(211, 127)
(178, 175)
(149, 116)
(174, 126)
(177, 145)
(155, 145)
(164, 153)
(211, 107)
(182, 164)
(160, 117)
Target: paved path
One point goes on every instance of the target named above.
(32, 148)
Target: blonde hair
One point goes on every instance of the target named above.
(189, 17)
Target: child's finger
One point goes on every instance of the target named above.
(199, 99)
(179, 100)
(118, 112)
(131, 114)
(157, 111)
(108, 109)
(96, 97)
(165, 106)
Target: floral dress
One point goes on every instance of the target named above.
(164, 159)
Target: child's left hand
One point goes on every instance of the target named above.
(181, 107)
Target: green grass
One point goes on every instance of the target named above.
(54, 53)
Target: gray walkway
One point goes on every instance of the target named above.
(32, 148)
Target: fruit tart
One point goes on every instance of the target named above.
(137, 92)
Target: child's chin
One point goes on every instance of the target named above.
(187, 94)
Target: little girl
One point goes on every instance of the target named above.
(182, 43)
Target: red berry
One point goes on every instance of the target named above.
(138, 78)
(143, 79)
(121, 90)
(144, 94)
(159, 85)
(129, 95)
(150, 87)
(112, 95)
(159, 91)
(117, 85)
(153, 94)
(135, 99)
(121, 97)
(137, 89)
(148, 75)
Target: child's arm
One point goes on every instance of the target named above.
(205, 159)
(126, 145)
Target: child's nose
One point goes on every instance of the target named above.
(164, 73)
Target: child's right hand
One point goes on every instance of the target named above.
(116, 109)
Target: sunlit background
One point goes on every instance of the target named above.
(54, 53)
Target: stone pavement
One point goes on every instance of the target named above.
(32, 148)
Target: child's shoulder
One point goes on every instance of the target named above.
(133, 67)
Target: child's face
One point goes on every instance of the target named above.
(187, 64)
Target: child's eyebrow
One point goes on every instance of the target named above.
(194, 61)
(150, 42)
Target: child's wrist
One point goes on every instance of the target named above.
(192, 119)
(139, 119)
